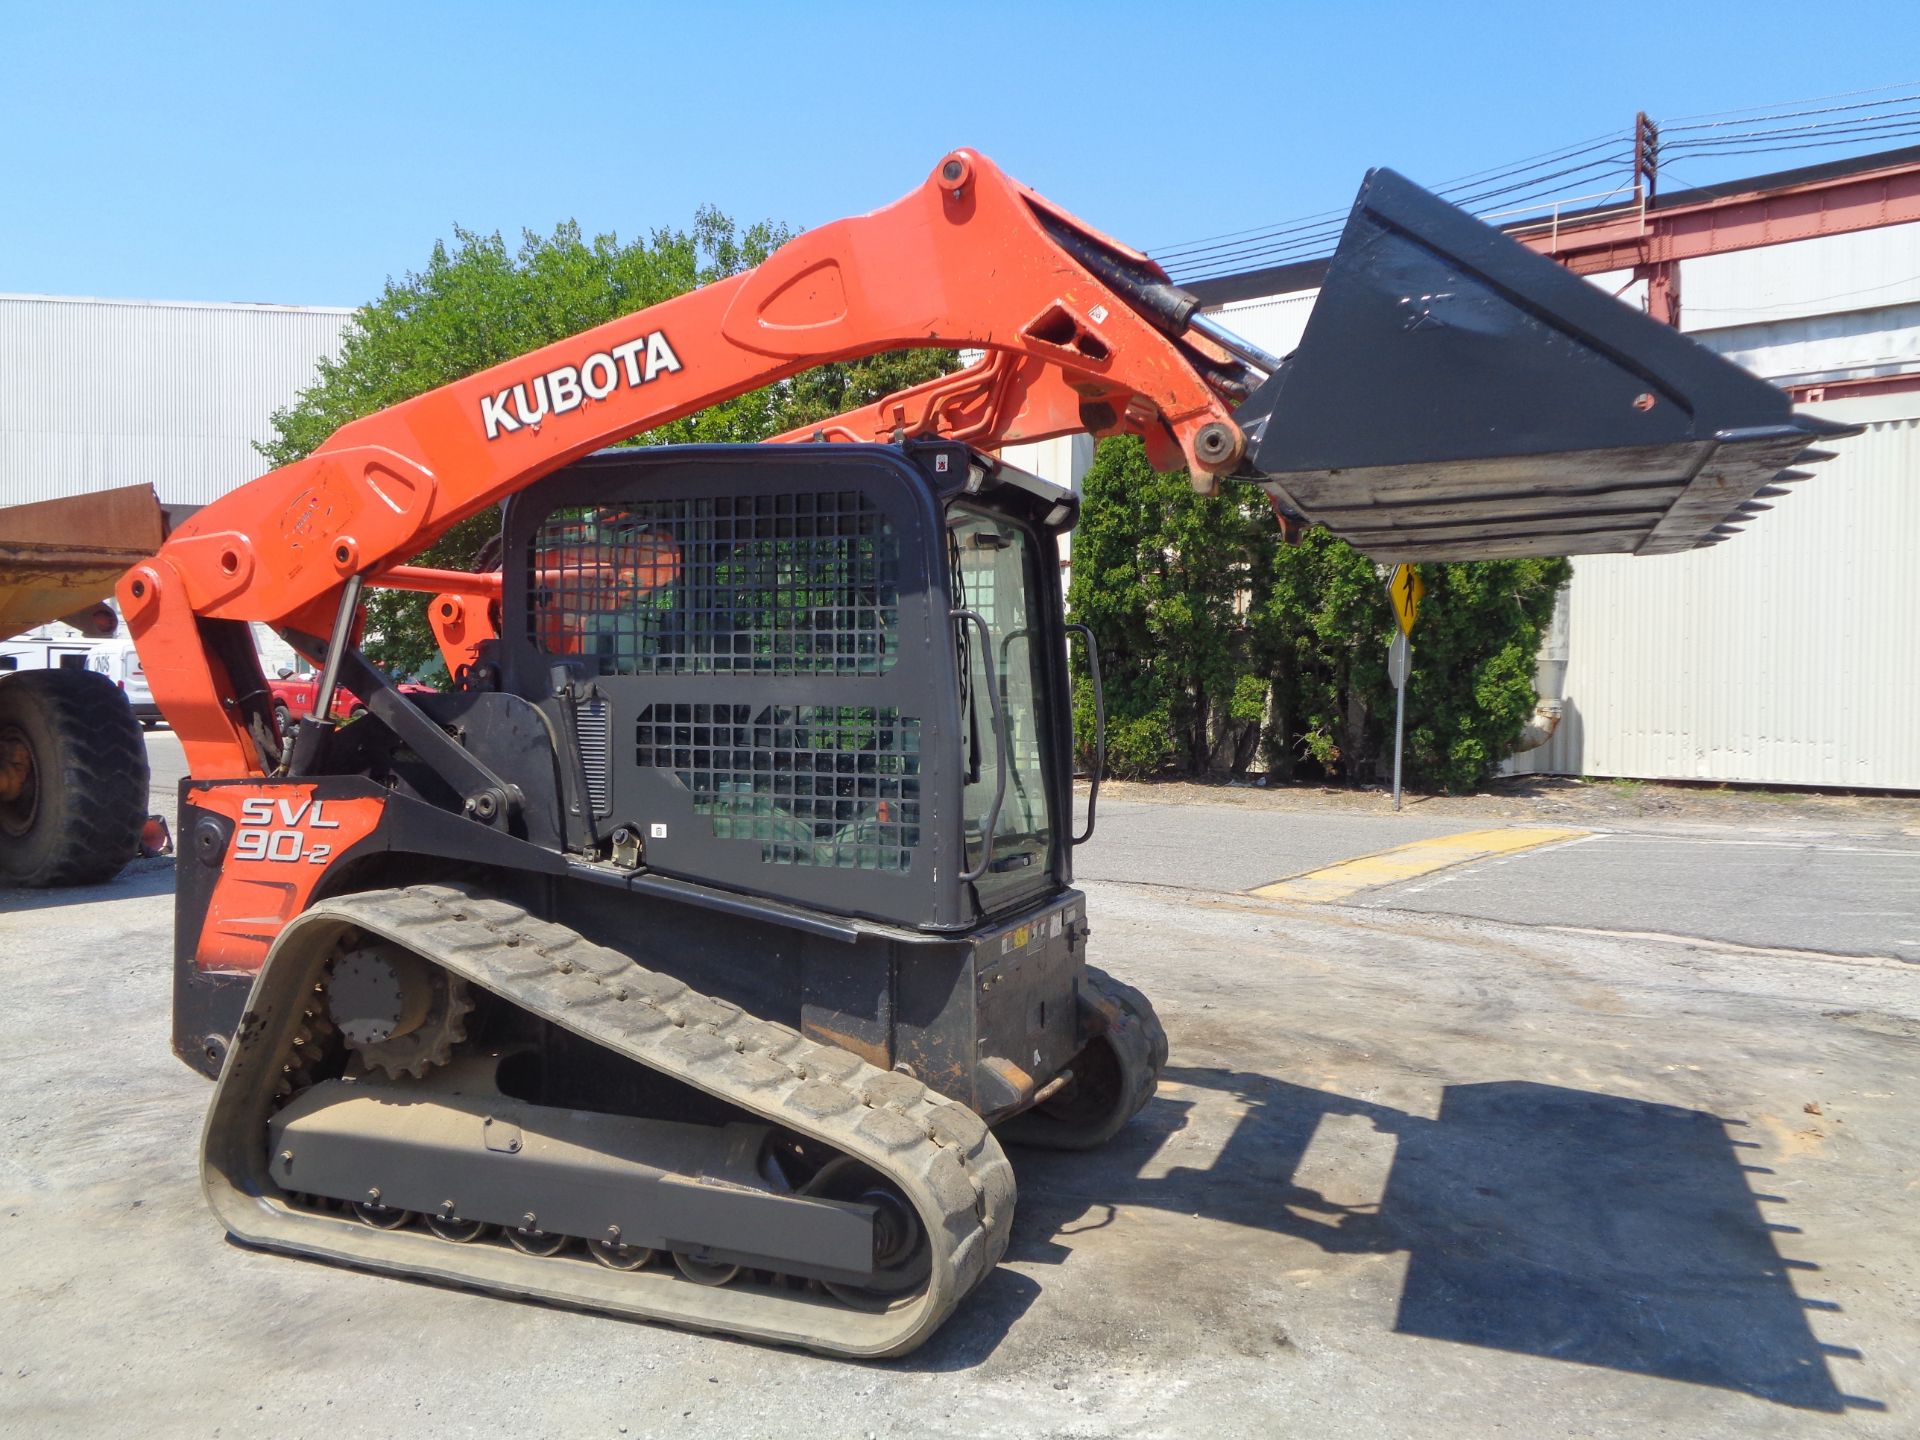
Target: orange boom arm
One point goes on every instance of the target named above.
(968, 259)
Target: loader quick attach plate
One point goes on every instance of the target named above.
(1458, 397)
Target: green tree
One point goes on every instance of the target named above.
(1158, 573)
(1322, 631)
(1218, 641)
(478, 302)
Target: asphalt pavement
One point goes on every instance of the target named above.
(1219, 847)
(1564, 1172)
(1775, 887)
(1832, 894)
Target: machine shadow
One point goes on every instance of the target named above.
(1546, 1221)
(140, 879)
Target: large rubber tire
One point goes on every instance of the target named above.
(76, 814)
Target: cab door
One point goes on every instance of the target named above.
(995, 575)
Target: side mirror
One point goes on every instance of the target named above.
(286, 672)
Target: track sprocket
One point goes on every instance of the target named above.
(399, 1015)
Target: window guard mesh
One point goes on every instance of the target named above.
(830, 785)
(801, 583)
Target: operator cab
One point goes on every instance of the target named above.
(828, 674)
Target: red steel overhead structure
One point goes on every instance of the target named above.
(1652, 239)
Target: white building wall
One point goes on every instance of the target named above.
(1780, 657)
(1785, 656)
(1828, 275)
(1809, 349)
(1064, 460)
(103, 393)
(1273, 322)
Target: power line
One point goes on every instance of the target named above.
(1309, 239)
(1545, 157)
(1198, 247)
(1612, 162)
(1188, 245)
(1859, 124)
(1795, 145)
(1533, 184)
(1806, 100)
(1798, 142)
(1792, 114)
(1493, 173)
(1314, 230)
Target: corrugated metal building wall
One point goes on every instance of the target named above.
(115, 392)
(1786, 657)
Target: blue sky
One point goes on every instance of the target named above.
(300, 154)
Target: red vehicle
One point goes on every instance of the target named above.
(294, 694)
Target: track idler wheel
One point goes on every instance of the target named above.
(1113, 1076)
(900, 1258)
(1088, 1110)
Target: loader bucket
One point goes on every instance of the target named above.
(1458, 397)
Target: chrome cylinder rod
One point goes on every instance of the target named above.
(1240, 349)
(337, 647)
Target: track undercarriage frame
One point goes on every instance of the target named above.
(932, 1160)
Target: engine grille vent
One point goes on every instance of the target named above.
(593, 734)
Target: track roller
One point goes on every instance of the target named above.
(615, 1256)
(381, 1217)
(531, 1240)
(452, 1227)
(705, 1272)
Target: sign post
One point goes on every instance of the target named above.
(1404, 591)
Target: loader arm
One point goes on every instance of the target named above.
(1454, 397)
(969, 259)
(1004, 399)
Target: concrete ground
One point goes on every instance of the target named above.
(1414, 1171)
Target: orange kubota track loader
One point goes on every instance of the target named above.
(689, 959)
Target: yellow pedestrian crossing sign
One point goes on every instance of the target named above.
(1404, 591)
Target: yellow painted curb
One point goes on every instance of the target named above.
(1336, 882)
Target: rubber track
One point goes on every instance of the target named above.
(101, 780)
(939, 1153)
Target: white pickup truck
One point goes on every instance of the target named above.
(120, 662)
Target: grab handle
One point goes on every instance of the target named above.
(1099, 728)
(972, 617)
